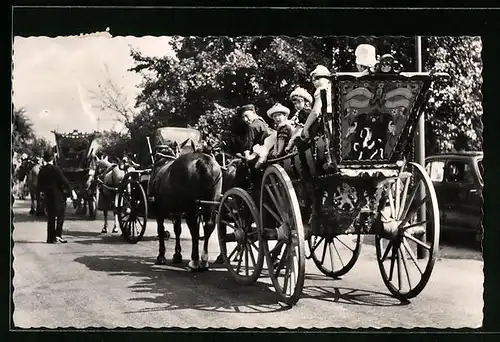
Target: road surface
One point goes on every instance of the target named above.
(100, 281)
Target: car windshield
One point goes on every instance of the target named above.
(481, 169)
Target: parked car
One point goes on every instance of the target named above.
(458, 180)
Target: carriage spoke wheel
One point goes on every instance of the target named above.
(132, 210)
(282, 234)
(404, 271)
(335, 256)
(239, 240)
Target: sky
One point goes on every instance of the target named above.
(53, 78)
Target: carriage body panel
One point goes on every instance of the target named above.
(74, 152)
(369, 134)
(375, 116)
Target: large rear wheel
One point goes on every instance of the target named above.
(282, 234)
(405, 273)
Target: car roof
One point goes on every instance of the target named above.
(456, 155)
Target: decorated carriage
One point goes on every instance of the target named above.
(133, 198)
(74, 157)
(356, 178)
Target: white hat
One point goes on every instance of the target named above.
(365, 55)
(321, 71)
(278, 108)
(301, 92)
(24, 156)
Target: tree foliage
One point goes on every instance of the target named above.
(24, 139)
(113, 143)
(210, 76)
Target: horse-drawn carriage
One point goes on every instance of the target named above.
(133, 198)
(375, 189)
(74, 157)
(356, 178)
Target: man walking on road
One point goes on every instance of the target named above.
(55, 186)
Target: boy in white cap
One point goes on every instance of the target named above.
(278, 138)
(365, 57)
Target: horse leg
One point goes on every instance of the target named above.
(208, 229)
(194, 229)
(32, 209)
(177, 259)
(105, 227)
(115, 222)
(39, 209)
(161, 260)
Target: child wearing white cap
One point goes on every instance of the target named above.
(278, 138)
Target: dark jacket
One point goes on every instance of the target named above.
(258, 130)
(54, 185)
(300, 117)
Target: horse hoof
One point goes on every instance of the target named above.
(219, 260)
(203, 266)
(104, 231)
(114, 231)
(193, 266)
(177, 259)
(161, 260)
(32, 212)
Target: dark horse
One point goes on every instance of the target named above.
(177, 184)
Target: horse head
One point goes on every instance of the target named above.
(188, 146)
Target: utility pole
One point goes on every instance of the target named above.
(420, 152)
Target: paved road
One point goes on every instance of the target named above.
(101, 281)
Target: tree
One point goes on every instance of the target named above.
(38, 146)
(110, 96)
(114, 143)
(210, 76)
(454, 110)
(22, 129)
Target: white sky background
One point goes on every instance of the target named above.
(52, 78)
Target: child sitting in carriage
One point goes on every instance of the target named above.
(277, 140)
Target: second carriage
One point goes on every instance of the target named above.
(74, 157)
(132, 198)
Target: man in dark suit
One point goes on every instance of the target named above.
(55, 186)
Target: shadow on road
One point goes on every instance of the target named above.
(27, 217)
(110, 238)
(172, 287)
(344, 295)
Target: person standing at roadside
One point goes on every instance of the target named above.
(55, 186)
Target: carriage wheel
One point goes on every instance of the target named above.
(335, 256)
(282, 234)
(238, 230)
(132, 210)
(402, 232)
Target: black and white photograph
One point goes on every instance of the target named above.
(247, 181)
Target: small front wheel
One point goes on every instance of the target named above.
(238, 225)
(132, 210)
(335, 256)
